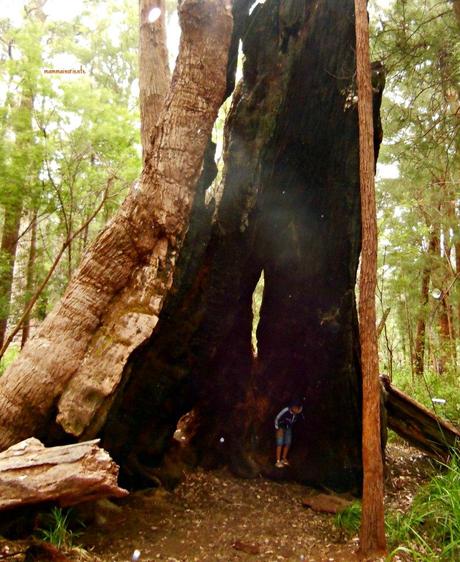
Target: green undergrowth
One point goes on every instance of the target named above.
(56, 529)
(430, 529)
(432, 386)
(10, 355)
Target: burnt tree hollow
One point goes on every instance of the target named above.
(290, 208)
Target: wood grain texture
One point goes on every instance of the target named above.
(30, 473)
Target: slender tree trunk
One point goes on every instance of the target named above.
(382, 321)
(13, 213)
(30, 277)
(421, 322)
(445, 333)
(457, 10)
(457, 273)
(149, 227)
(154, 76)
(372, 534)
(410, 336)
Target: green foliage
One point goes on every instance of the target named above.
(63, 136)
(11, 353)
(56, 530)
(418, 42)
(430, 530)
(430, 386)
(349, 520)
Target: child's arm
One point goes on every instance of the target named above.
(279, 416)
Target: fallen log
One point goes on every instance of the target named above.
(30, 473)
(417, 424)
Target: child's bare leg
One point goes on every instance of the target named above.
(279, 443)
(285, 452)
(278, 453)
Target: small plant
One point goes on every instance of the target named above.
(57, 530)
(349, 519)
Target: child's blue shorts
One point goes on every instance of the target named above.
(284, 436)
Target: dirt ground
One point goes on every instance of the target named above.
(213, 516)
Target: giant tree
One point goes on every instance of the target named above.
(148, 227)
(289, 208)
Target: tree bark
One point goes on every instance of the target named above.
(382, 321)
(13, 213)
(154, 75)
(456, 6)
(418, 425)
(149, 228)
(30, 278)
(421, 322)
(372, 532)
(31, 474)
(290, 207)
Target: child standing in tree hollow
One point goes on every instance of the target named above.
(283, 425)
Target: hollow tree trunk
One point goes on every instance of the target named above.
(149, 227)
(290, 208)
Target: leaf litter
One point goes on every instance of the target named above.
(213, 516)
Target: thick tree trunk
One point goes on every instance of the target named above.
(148, 229)
(154, 76)
(290, 207)
(130, 318)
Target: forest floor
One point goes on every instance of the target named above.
(213, 516)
